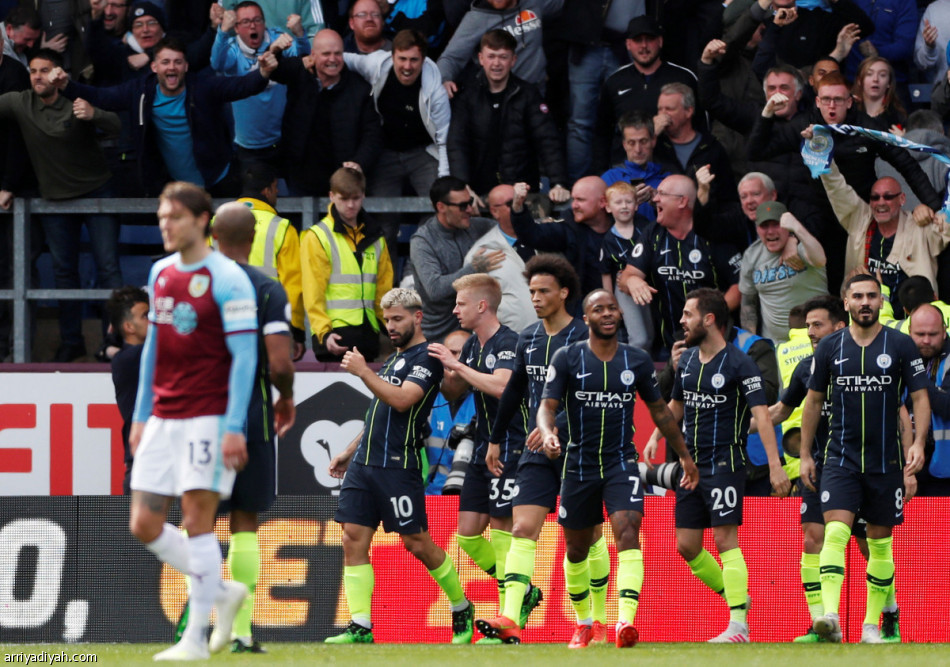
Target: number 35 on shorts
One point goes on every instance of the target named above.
(505, 488)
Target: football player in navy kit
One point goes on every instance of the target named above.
(597, 381)
(383, 479)
(868, 367)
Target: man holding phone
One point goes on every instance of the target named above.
(639, 169)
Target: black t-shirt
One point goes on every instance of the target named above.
(892, 275)
(675, 267)
(497, 354)
(398, 106)
(392, 439)
(716, 398)
(795, 395)
(125, 378)
(866, 387)
(598, 398)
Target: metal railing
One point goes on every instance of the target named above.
(311, 209)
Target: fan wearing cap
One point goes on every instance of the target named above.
(636, 87)
(769, 287)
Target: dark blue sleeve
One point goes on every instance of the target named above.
(511, 398)
(276, 316)
(750, 382)
(688, 355)
(231, 88)
(819, 375)
(505, 356)
(727, 270)
(554, 236)
(111, 98)
(558, 375)
(797, 385)
(915, 373)
(641, 255)
(647, 385)
(426, 372)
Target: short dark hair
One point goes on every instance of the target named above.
(192, 197)
(47, 54)
(21, 16)
(407, 39)
(915, 291)
(710, 301)
(832, 304)
(638, 120)
(256, 178)
(590, 295)
(861, 278)
(558, 268)
(441, 188)
(498, 39)
(119, 305)
(924, 119)
(171, 43)
(796, 317)
(246, 4)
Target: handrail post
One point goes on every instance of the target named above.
(21, 274)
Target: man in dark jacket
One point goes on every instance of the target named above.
(173, 110)
(500, 129)
(330, 120)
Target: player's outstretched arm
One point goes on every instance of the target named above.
(453, 384)
(811, 412)
(668, 425)
(778, 412)
(341, 461)
(915, 453)
(399, 398)
(777, 475)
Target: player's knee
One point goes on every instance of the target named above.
(576, 552)
(526, 530)
(143, 528)
(812, 541)
(687, 550)
(417, 546)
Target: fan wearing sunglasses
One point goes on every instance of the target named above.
(883, 238)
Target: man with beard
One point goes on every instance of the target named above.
(600, 377)
(383, 479)
(257, 119)
(366, 22)
(552, 282)
(484, 366)
(864, 371)
(716, 387)
(177, 110)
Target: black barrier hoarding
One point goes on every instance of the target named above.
(326, 423)
(70, 571)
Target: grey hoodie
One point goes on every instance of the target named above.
(936, 171)
(524, 21)
(8, 48)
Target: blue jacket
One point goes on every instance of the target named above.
(895, 28)
(256, 119)
(206, 97)
(651, 173)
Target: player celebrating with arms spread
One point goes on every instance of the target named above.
(868, 368)
(384, 480)
(716, 387)
(196, 376)
(596, 379)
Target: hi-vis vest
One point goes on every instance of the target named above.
(351, 292)
(754, 448)
(269, 232)
(788, 354)
(940, 462)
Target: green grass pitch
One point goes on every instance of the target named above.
(527, 655)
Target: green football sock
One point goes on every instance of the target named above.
(244, 559)
(500, 542)
(358, 584)
(448, 580)
(707, 569)
(837, 535)
(891, 603)
(629, 583)
(880, 576)
(479, 550)
(811, 583)
(598, 561)
(735, 580)
(519, 568)
(577, 582)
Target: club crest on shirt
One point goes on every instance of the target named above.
(399, 364)
(198, 285)
(718, 380)
(490, 361)
(627, 377)
(551, 373)
(695, 255)
(884, 361)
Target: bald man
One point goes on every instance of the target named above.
(928, 331)
(330, 120)
(499, 205)
(579, 239)
(254, 489)
(883, 237)
(671, 259)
